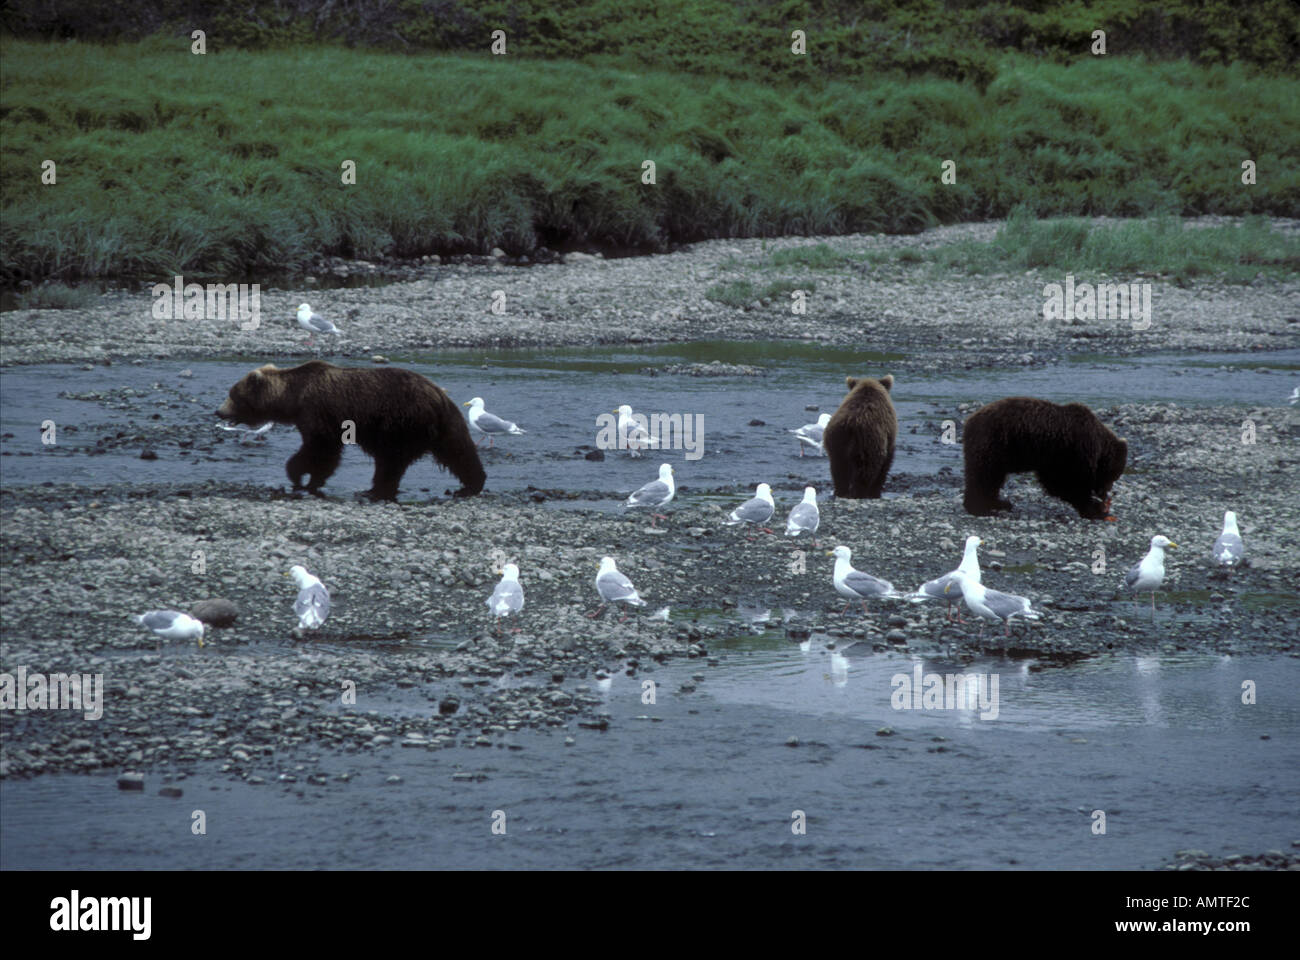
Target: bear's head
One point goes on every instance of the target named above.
(1110, 465)
(867, 383)
(254, 399)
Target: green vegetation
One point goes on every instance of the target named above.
(228, 165)
(56, 296)
(740, 39)
(741, 293)
(1162, 246)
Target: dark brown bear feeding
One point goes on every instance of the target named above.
(1074, 455)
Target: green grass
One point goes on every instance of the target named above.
(227, 166)
(1163, 246)
(740, 39)
(56, 296)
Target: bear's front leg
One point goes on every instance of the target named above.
(318, 457)
(388, 475)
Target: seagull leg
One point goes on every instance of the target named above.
(864, 608)
(599, 611)
(1153, 606)
(846, 608)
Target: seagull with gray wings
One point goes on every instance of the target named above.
(489, 424)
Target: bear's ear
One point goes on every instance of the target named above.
(887, 381)
(852, 382)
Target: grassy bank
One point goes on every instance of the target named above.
(1164, 247)
(228, 165)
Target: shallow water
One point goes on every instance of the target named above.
(1163, 745)
(557, 395)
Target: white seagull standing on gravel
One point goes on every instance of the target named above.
(810, 434)
(313, 603)
(991, 604)
(656, 493)
(856, 585)
(1150, 573)
(937, 589)
(804, 516)
(508, 597)
(489, 424)
(314, 323)
(757, 510)
(171, 625)
(1228, 549)
(613, 587)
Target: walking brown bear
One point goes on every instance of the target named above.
(1074, 455)
(860, 438)
(398, 415)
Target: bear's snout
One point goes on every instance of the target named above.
(226, 410)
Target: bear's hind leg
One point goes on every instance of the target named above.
(876, 487)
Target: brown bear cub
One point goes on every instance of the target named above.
(398, 415)
(860, 437)
(1074, 455)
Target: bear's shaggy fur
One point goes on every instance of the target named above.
(399, 417)
(1074, 455)
(859, 440)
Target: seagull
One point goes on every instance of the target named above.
(250, 433)
(938, 588)
(856, 585)
(314, 323)
(1150, 573)
(1295, 397)
(613, 587)
(990, 604)
(804, 516)
(1228, 549)
(656, 493)
(171, 625)
(508, 597)
(631, 434)
(758, 510)
(810, 434)
(487, 423)
(313, 603)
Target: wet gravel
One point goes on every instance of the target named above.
(409, 580)
(587, 300)
(409, 583)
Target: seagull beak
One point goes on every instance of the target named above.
(465, 404)
(1173, 544)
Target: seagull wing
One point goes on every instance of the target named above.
(1228, 549)
(312, 605)
(652, 494)
(865, 585)
(756, 510)
(159, 619)
(804, 516)
(490, 423)
(614, 586)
